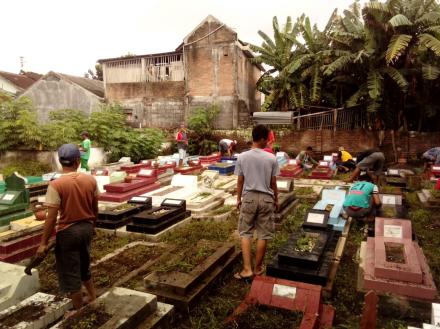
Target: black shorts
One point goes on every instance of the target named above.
(72, 254)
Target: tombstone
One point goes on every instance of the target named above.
(121, 192)
(316, 219)
(14, 201)
(223, 168)
(44, 310)
(307, 256)
(183, 288)
(157, 219)
(284, 185)
(334, 199)
(291, 170)
(393, 228)
(396, 265)
(126, 308)
(287, 295)
(115, 217)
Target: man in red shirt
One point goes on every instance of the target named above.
(75, 197)
(182, 144)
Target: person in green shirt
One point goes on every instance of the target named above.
(306, 158)
(361, 199)
(84, 148)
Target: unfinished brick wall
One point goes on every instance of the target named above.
(354, 141)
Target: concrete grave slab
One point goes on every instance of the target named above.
(127, 308)
(284, 185)
(184, 289)
(368, 281)
(391, 199)
(15, 285)
(289, 295)
(406, 269)
(46, 309)
(393, 228)
(189, 181)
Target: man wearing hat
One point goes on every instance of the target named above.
(85, 147)
(74, 196)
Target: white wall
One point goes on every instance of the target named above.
(7, 86)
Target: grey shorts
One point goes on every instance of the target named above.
(257, 213)
(72, 253)
(373, 162)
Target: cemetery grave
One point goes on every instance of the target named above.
(292, 169)
(332, 201)
(434, 173)
(224, 168)
(205, 200)
(16, 285)
(430, 198)
(286, 199)
(392, 206)
(124, 263)
(14, 201)
(182, 186)
(35, 312)
(120, 308)
(115, 216)
(157, 219)
(394, 263)
(307, 256)
(322, 171)
(183, 279)
(120, 192)
(302, 300)
(206, 160)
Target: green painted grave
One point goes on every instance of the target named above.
(14, 201)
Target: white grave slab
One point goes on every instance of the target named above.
(315, 218)
(392, 231)
(328, 158)
(189, 181)
(15, 285)
(284, 291)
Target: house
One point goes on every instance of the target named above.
(14, 84)
(211, 66)
(57, 91)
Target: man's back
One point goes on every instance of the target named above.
(257, 167)
(360, 194)
(75, 194)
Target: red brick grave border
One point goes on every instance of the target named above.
(289, 295)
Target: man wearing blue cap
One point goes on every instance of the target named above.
(75, 197)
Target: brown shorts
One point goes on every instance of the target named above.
(257, 212)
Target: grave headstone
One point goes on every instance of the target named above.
(307, 256)
(14, 201)
(288, 295)
(156, 219)
(393, 228)
(316, 219)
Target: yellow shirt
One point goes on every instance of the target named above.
(345, 156)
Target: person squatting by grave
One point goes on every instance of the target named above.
(85, 147)
(432, 156)
(75, 197)
(182, 143)
(345, 161)
(362, 199)
(371, 161)
(306, 158)
(257, 200)
(227, 146)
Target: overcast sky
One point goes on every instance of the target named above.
(69, 36)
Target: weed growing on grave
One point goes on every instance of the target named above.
(304, 190)
(435, 193)
(306, 243)
(412, 200)
(221, 210)
(189, 235)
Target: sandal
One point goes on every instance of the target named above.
(240, 277)
(261, 272)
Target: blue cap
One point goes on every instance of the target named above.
(68, 153)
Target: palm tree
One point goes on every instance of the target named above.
(276, 82)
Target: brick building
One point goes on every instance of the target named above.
(211, 66)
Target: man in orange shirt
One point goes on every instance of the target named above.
(75, 197)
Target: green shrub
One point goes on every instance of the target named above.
(25, 168)
(201, 124)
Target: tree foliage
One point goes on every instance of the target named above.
(383, 57)
(201, 125)
(20, 129)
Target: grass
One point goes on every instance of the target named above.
(221, 210)
(304, 190)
